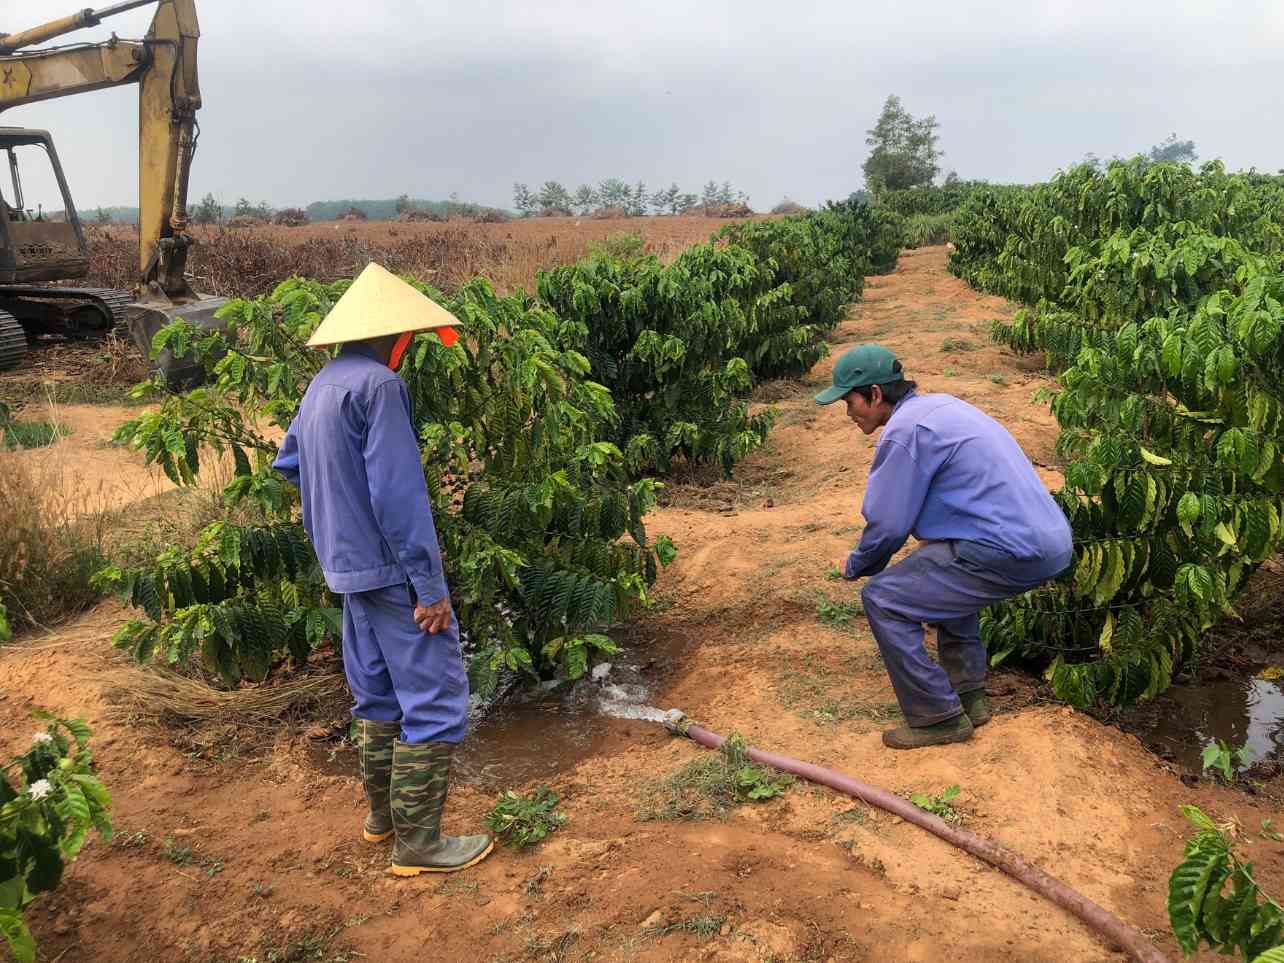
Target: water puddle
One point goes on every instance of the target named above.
(534, 735)
(1246, 714)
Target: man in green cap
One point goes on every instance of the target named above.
(954, 478)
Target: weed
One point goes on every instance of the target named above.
(522, 821)
(998, 379)
(950, 372)
(1268, 831)
(535, 885)
(32, 434)
(834, 573)
(704, 924)
(711, 786)
(939, 805)
(837, 614)
(136, 840)
(261, 890)
(812, 695)
(187, 856)
(955, 345)
(1221, 758)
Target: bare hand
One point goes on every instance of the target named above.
(434, 618)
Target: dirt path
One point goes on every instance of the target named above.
(809, 876)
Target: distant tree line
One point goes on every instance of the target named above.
(633, 200)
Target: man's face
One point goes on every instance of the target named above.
(869, 415)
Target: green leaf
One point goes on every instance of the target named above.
(1152, 459)
(18, 936)
(1275, 955)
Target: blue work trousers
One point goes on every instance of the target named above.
(398, 672)
(945, 584)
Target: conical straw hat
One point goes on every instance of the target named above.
(379, 303)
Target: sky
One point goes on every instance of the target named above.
(330, 99)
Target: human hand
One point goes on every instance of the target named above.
(434, 618)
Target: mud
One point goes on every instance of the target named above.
(807, 876)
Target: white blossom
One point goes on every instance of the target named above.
(39, 789)
(40, 737)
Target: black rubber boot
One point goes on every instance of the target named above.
(977, 706)
(957, 729)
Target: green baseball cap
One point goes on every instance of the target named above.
(865, 364)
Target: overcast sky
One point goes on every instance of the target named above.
(326, 99)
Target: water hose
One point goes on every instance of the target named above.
(1114, 930)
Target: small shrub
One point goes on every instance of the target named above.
(788, 206)
(954, 345)
(523, 821)
(621, 244)
(49, 800)
(1222, 759)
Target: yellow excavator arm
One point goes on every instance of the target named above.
(163, 65)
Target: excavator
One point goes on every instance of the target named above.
(36, 250)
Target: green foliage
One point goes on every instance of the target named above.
(621, 244)
(922, 230)
(837, 614)
(524, 820)
(49, 801)
(27, 434)
(536, 432)
(939, 805)
(1214, 899)
(904, 152)
(1222, 758)
(540, 525)
(1161, 289)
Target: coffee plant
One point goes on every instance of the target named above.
(1160, 291)
(540, 525)
(1214, 899)
(537, 433)
(49, 801)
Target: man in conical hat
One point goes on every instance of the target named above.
(353, 453)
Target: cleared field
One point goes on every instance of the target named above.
(248, 261)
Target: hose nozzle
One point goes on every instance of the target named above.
(676, 721)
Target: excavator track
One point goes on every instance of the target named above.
(13, 342)
(100, 309)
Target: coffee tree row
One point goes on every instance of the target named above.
(1159, 290)
(540, 434)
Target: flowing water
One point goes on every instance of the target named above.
(1246, 714)
(534, 735)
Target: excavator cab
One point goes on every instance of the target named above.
(32, 246)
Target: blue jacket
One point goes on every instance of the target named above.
(353, 454)
(945, 471)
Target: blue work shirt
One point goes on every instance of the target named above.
(353, 454)
(946, 471)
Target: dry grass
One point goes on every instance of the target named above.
(51, 541)
(170, 698)
(250, 261)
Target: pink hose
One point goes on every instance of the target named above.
(1114, 930)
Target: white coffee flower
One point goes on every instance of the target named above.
(40, 737)
(39, 789)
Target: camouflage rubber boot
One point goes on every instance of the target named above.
(957, 729)
(374, 755)
(420, 779)
(977, 706)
